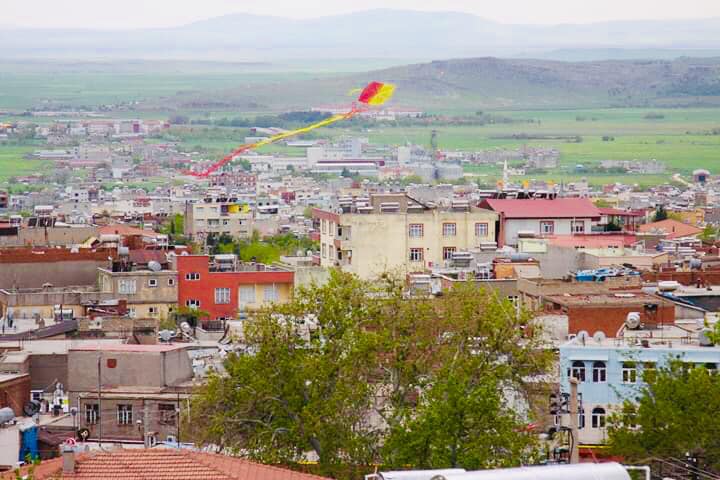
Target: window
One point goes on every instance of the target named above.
(481, 229)
(192, 303)
(152, 283)
(629, 372)
(711, 368)
(153, 310)
(416, 230)
(577, 226)
(449, 229)
(323, 249)
(578, 370)
(36, 395)
(168, 413)
(222, 296)
(599, 372)
(448, 252)
(124, 414)
(598, 418)
(92, 412)
(547, 227)
(416, 254)
(271, 293)
(193, 276)
(131, 312)
(247, 294)
(127, 287)
(581, 418)
(171, 282)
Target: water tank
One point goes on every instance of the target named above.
(109, 238)
(519, 257)
(6, 415)
(419, 474)
(632, 321)
(123, 251)
(586, 471)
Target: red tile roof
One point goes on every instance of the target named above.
(164, 464)
(541, 208)
(673, 228)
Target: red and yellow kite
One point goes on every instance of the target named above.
(376, 93)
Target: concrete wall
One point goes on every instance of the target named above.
(59, 274)
(49, 236)
(46, 370)
(133, 369)
(608, 318)
(161, 298)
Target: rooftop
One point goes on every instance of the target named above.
(673, 228)
(630, 298)
(123, 347)
(542, 208)
(163, 464)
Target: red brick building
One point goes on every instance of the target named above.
(223, 286)
(14, 392)
(607, 312)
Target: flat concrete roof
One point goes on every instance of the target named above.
(165, 347)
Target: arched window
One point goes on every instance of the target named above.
(598, 417)
(599, 372)
(578, 370)
(581, 418)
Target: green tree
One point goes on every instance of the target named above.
(660, 213)
(357, 373)
(675, 415)
(709, 234)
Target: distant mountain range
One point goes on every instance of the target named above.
(487, 83)
(377, 34)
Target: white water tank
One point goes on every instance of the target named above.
(6, 415)
(583, 471)
(633, 320)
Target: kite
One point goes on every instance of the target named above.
(374, 94)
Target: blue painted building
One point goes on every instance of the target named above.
(610, 370)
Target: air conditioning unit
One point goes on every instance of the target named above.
(95, 324)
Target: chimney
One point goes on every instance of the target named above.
(68, 454)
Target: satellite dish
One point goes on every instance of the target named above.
(31, 408)
(633, 320)
(599, 337)
(166, 335)
(583, 335)
(185, 327)
(154, 266)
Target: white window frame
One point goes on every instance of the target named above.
(416, 230)
(222, 296)
(247, 294)
(547, 223)
(152, 283)
(192, 303)
(416, 258)
(599, 372)
(597, 418)
(629, 373)
(127, 286)
(449, 229)
(577, 371)
(124, 414)
(153, 311)
(92, 413)
(479, 226)
(192, 276)
(574, 224)
(447, 252)
(271, 293)
(171, 282)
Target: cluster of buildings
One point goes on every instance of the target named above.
(108, 325)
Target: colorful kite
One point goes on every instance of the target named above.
(376, 93)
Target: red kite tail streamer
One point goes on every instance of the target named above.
(376, 93)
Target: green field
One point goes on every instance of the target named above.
(13, 163)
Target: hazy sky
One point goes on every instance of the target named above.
(155, 13)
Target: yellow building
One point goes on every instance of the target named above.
(394, 232)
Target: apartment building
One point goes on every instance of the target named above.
(149, 293)
(218, 216)
(223, 286)
(394, 232)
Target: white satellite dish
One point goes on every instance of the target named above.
(599, 337)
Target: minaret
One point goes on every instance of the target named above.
(506, 177)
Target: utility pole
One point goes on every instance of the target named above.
(100, 417)
(178, 416)
(574, 430)
(146, 423)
